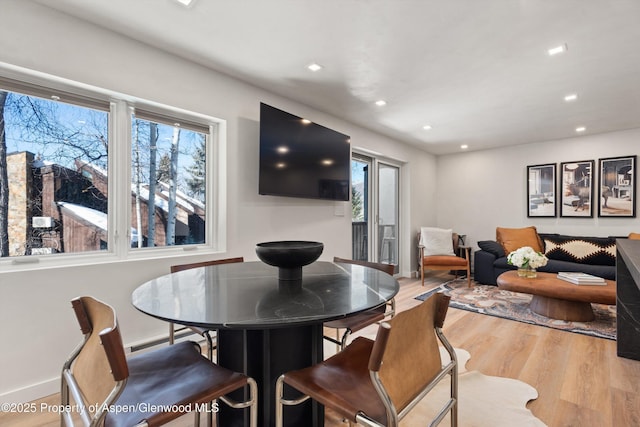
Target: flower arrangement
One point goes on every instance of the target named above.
(526, 257)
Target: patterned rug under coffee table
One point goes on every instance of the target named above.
(515, 306)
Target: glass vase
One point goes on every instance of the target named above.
(527, 272)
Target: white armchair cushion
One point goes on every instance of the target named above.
(436, 241)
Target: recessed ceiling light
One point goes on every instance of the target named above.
(314, 67)
(581, 129)
(381, 103)
(557, 50)
(464, 146)
(306, 121)
(571, 97)
(426, 127)
(185, 2)
(283, 149)
(327, 162)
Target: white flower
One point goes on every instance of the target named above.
(527, 257)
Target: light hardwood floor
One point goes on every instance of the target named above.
(580, 380)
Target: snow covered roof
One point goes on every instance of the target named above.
(184, 201)
(93, 216)
(183, 196)
(39, 163)
(92, 166)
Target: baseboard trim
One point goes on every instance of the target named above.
(32, 392)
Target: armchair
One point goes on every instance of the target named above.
(376, 383)
(155, 387)
(438, 249)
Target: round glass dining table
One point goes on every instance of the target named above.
(265, 326)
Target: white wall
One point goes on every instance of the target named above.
(479, 191)
(39, 328)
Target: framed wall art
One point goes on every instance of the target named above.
(541, 190)
(576, 189)
(617, 189)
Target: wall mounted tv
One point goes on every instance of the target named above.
(299, 158)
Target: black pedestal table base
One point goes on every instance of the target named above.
(264, 355)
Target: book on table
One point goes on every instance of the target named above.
(581, 278)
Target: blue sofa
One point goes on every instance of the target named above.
(593, 255)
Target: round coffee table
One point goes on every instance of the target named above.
(557, 298)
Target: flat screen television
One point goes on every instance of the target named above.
(299, 158)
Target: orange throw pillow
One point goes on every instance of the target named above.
(512, 239)
(634, 236)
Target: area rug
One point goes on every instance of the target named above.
(484, 401)
(493, 301)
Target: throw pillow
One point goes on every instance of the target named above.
(634, 236)
(583, 250)
(436, 241)
(512, 239)
(492, 247)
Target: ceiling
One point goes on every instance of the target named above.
(477, 71)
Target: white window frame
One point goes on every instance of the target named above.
(119, 169)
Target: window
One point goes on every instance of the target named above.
(168, 174)
(55, 157)
(69, 157)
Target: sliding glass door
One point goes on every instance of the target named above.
(375, 205)
(387, 213)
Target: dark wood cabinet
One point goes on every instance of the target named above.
(628, 298)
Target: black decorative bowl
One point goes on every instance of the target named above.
(289, 256)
